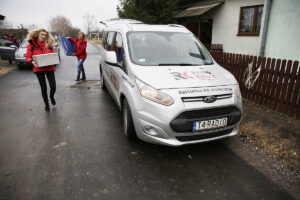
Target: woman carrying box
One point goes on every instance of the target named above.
(41, 42)
(80, 53)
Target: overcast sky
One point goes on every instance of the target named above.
(39, 12)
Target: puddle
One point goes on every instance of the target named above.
(88, 85)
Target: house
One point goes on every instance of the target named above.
(269, 28)
(2, 17)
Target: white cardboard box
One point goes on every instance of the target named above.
(43, 60)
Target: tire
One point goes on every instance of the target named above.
(103, 86)
(20, 66)
(128, 127)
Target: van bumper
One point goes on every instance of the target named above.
(158, 129)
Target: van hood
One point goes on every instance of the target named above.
(171, 77)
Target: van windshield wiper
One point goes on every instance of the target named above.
(175, 64)
(195, 55)
(208, 63)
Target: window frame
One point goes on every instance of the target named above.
(119, 34)
(124, 63)
(110, 47)
(254, 24)
(123, 66)
(104, 38)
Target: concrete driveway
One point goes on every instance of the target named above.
(77, 150)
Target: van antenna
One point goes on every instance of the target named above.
(101, 22)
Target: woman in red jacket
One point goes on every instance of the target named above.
(80, 53)
(41, 42)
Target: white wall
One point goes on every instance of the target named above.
(225, 28)
(283, 38)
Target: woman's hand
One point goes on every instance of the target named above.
(50, 46)
(34, 63)
(74, 54)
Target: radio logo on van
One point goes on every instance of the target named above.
(201, 75)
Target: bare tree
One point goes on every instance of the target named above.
(21, 26)
(89, 22)
(30, 26)
(60, 25)
(74, 32)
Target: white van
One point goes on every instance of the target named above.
(168, 87)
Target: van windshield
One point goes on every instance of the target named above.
(166, 48)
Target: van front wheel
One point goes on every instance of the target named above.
(128, 126)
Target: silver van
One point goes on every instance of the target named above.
(168, 87)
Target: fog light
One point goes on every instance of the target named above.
(148, 128)
(152, 130)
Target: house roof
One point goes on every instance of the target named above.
(187, 4)
(195, 9)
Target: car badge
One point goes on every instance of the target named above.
(210, 99)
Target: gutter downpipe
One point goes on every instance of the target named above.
(265, 29)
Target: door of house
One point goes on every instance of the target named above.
(206, 31)
(193, 27)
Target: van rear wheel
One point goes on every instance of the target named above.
(128, 126)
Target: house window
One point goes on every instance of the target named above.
(250, 20)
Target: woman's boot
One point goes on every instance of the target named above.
(47, 107)
(52, 100)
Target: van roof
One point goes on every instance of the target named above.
(164, 28)
(134, 25)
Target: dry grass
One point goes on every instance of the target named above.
(284, 147)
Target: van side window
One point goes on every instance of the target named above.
(119, 49)
(104, 40)
(110, 39)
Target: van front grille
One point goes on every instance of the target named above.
(184, 121)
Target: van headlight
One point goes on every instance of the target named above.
(17, 54)
(153, 94)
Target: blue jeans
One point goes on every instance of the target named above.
(80, 67)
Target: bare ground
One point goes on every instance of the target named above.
(270, 142)
(5, 67)
(278, 135)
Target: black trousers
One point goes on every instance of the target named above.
(42, 80)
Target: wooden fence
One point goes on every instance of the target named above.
(214, 47)
(277, 86)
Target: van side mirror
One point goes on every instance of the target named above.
(111, 57)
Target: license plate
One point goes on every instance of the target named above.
(209, 124)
